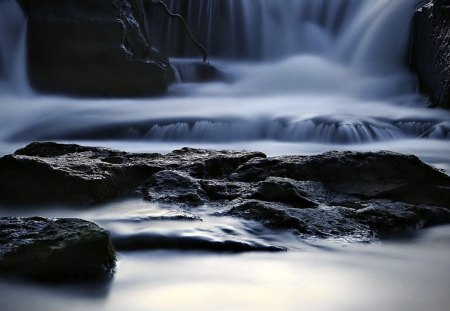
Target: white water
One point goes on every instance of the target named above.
(306, 76)
(410, 274)
(13, 32)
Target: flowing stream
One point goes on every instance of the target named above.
(303, 77)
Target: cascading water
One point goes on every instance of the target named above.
(364, 32)
(305, 76)
(326, 72)
(13, 32)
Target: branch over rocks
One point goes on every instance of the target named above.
(185, 25)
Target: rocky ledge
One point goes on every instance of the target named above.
(431, 50)
(55, 250)
(93, 48)
(332, 195)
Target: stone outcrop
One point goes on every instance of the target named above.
(93, 48)
(55, 250)
(72, 174)
(431, 50)
(336, 194)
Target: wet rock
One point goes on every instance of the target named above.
(210, 164)
(52, 173)
(93, 48)
(386, 217)
(272, 216)
(174, 187)
(283, 190)
(223, 190)
(149, 241)
(373, 175)
(336, 194)
(322, 222)
(55, 250)
(431, 50)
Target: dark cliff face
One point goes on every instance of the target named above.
(431, 50)
(93, 48)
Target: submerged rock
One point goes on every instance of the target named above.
(431, 50)
(55, 250)
(93, 48)
(154, 241)
(336, 194)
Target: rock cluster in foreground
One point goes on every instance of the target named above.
(55, 250)
(335, 194)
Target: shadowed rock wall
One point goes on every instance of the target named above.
(93, 48)
(431, 50)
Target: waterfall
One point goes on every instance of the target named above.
(297, 71)
(364, 33)
(13, 50)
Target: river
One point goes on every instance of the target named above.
(303, 78)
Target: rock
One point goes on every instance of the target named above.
(152, 241)
(209, 164)
(269, 215)
(58, 173)
(93, 48)
(52, 173)
(387, 218)
(431, 50)
(174, 187)
(55, 250)
(283, 190)
(371, 175)
(350, 195)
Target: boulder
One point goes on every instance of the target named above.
(431, 50)
(364, 174)
(48, 172)
(55, 250)
(93, 48)
(53, 173)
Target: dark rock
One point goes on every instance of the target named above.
(55, 250)
(210, 164)
(283, 190)
(174, 187)
(148, 241)
(93, 48)
(51, 173)
(372, 175)
(336, 194)
(222, 190)
(269, 215)
(387, 217)
(431, 50)
(319, 222)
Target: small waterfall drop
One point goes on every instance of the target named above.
(363, 33)
(13, 49)
(327, 72)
